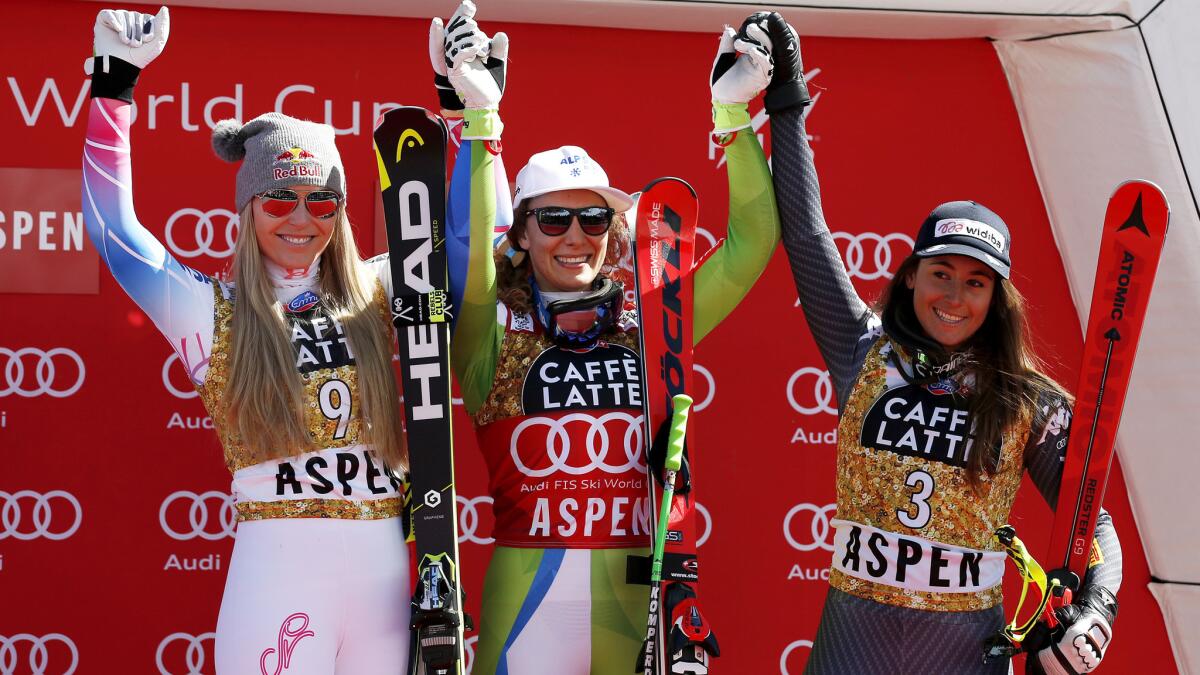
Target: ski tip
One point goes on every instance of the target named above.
(1144, 188)
(1147, 197)
(396, 116)
(670, 179)
(404, 111)
(1141, 182)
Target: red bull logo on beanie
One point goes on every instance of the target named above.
(294, 155)
(295, 162)
(970, 228)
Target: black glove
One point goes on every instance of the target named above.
(787, 88)
(658, 457)
(1077, 645)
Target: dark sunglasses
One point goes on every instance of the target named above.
(320, 203)
(554, 221)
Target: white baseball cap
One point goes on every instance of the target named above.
(566, 168)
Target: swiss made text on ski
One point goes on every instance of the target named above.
(665, 249)
(410, 146)
(1135, 227)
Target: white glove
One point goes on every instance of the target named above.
(1081, 647)
(1086, 633)
(743, 66)
(477, 65)
(133, 37)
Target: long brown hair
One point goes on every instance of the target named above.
(1009, 376)
(512, 280)
(264, 389)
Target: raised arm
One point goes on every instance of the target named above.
(476, 70)
(835, 313)
(740, 71)
(177, 299)
(460, 198)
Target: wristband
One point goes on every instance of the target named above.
(729, 117)
(113, 78)
(481, 124)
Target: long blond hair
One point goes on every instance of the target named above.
(264, 389)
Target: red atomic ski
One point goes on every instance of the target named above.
(664, 256)
(1135, 227)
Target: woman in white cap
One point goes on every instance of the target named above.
(546, 353)
(943, 407)
(293, 362)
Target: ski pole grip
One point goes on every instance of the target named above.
(682, 405)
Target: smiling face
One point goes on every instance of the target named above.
(569, 262)
(294, 241)
(951, 297)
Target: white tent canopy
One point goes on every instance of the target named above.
(1106, 91)
(904, 19)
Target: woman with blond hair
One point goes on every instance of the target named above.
(292, 359)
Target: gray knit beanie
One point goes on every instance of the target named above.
(278, 151)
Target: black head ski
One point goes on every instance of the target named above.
(410, 145)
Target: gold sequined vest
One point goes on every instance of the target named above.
(910, 529)
(343, 478)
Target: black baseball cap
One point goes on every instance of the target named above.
(966, 228)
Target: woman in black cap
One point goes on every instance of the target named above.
(943, 406)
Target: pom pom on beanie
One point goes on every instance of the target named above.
(227, 140)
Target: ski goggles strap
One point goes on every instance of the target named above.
(1008, 640)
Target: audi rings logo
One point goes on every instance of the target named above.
(26, 514)
(712, 387)
(469, 653)
(819, 533)
(469, 520)
(183, 648)
(787, 651)
(43, 657)
(186, 515)
(882, 258)
(811, 399)
(705, 241)
(596, 439)
(707, 531)
(30, 372)
(177, 392)
(205, 228)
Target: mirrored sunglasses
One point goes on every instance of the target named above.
(321, 204)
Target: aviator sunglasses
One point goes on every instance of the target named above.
(320, 203)
(554, 221)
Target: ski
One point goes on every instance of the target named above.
(410, 146)
(1135, 226)
(680, 640)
